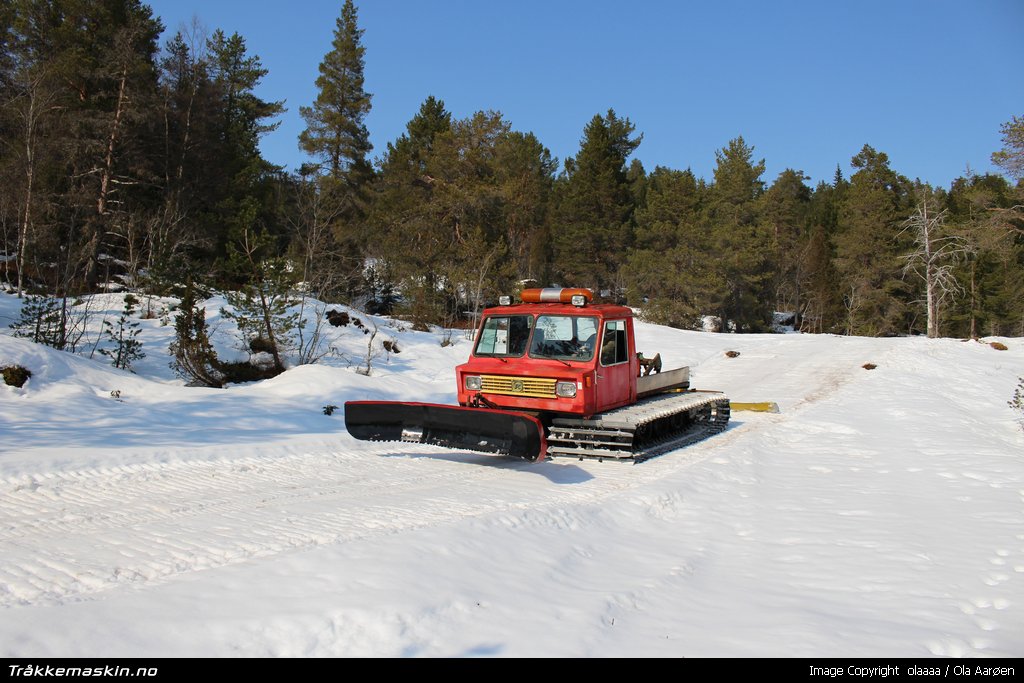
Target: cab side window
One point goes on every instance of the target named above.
(614, 348)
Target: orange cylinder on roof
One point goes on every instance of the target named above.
(554, 295)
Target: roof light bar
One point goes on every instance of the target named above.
(554, 295)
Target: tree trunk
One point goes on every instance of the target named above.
(108, 165)
(974, 300)
(268, 325)
(27, 220)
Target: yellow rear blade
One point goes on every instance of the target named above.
(763, 407)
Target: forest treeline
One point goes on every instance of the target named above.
(131, 156)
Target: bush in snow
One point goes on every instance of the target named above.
(15, 375)
(194, 357)
(1017, 402)
(40, 320)
(338, 318)
(262, 305)
(261, 311)
(247, 371)
(123, 335)
(57, 322)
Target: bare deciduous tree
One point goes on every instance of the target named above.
(933, 260)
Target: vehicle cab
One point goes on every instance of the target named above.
(555, 352)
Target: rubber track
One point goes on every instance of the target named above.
(643, 430)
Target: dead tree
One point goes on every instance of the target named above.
(933, 260)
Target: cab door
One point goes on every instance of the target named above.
(614, 370)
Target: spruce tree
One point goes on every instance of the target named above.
(335, 132)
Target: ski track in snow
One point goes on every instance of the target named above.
(66, 535)
(881, 512)
(72, 534)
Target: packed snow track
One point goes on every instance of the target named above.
(881, 513)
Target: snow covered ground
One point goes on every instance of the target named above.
(879, 513)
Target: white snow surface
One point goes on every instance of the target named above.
(879, 513)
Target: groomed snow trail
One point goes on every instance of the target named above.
(66, 534)
(69, 534)
(878, 513)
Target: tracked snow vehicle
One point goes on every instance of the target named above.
(554, 376)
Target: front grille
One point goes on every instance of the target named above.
(537, 387)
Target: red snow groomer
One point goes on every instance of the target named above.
(554, 376)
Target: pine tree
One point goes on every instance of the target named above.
(982, 210)
(670, 270)
(818, 282)
(41, 320)
(246, 195)
(401, 216)
(525, 173)
(261, 305)
(191, 154)
(1011, 157)
(335, 132)
(337, 138)
(741, 241)
(785, 210)
(78, 82)
(123, 335)
(1017, 402)
(823, 305)
(595, 204)
(868, 246)
(194, 357)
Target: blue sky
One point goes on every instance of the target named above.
(806, 83)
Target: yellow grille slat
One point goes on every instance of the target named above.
(536, 387)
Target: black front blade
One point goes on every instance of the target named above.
(473, 429)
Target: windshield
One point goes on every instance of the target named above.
(504, 335)
(564, 337)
